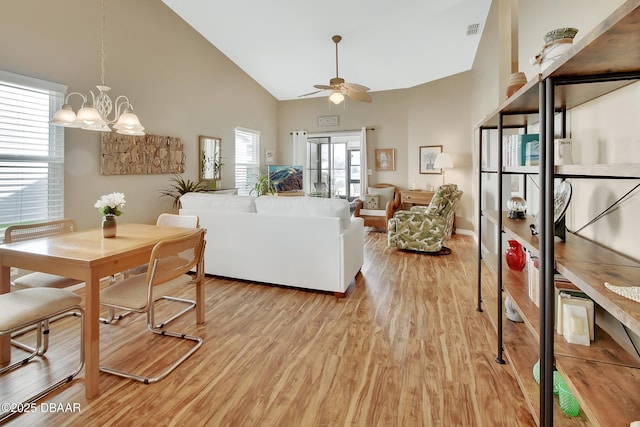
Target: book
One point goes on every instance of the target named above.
(575, 324)
(533, 278)
(532, 149)
(569, 298)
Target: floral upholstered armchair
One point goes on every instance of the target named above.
(378, 205)
(426, 228)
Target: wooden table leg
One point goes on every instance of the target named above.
(200, 299)
(5, 341)
(92, 337)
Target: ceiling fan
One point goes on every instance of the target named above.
(340, 88)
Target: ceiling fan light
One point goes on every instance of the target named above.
(336, 97)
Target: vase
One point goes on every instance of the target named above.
(516, 258)
(109, 226)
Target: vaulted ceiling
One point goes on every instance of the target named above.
(286, 46)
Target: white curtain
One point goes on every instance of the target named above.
(299, 155)
(363, 163)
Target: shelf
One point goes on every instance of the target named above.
(612, 48)
(530, 170)
(604, 349)
(587, 265)
(606, 393)
(624, 170)
(602, 171)
(520, 350)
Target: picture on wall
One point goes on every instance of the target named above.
(428, 156)
(385, 159)
(285, 178)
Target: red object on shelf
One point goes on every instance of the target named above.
(516, 258)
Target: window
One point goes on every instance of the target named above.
(31, 151)
(247, 159)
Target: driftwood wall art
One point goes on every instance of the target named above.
(141, 155)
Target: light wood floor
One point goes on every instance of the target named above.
(406, 347)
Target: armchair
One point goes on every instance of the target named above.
(378, 206)
(426, 228)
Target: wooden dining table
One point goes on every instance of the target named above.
(87, 256)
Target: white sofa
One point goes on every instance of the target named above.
(303, 242)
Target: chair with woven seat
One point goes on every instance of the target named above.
(169, 264)
(164, 220)
(378, 205)
(35, 307)
(426, 228)
(17, 233)
(21, 232)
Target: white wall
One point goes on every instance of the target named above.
(179, 84)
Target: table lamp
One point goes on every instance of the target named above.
(443, 161)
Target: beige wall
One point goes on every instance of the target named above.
(435, 113)
(179, 84)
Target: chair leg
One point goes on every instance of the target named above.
(41, 349)
(112, 318)
(146, 379)
(190, 306)
(4, 416)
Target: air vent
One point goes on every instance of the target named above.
(473, 29)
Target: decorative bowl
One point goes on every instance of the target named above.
(560, 33)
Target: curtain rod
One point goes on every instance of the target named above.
(338, 131)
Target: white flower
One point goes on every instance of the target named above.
(111, 204)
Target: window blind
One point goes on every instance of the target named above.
(31, 151)
(247, 159)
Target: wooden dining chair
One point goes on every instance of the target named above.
(169, 264)
(164, 220)
(21, 232)
(35, 307)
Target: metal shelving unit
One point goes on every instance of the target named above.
(605, 60)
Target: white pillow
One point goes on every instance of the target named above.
(218, 202)
(385, 193)
(305, 206)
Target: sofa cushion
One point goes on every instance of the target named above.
(218, 202)
(372, 201)
(305, 206)
(385, 194)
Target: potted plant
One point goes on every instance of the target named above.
(181, 186)
(262, 186)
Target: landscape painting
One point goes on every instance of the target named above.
(286, 178)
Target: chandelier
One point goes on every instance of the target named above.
(94, 114)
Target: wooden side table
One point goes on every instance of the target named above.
(415, 197)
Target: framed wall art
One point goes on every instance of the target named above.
(428, 156)
(385, 159)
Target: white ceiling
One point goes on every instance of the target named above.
(285, 45)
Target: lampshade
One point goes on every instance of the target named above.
(65, 117)
(443, 161)
(336, 97)
(88, 116)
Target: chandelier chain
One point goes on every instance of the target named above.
(102, 54)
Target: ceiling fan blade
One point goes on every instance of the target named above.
(356, 87)
(323, 87)
(311, 93)
(358, 96)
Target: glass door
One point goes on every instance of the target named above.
(334, 166)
